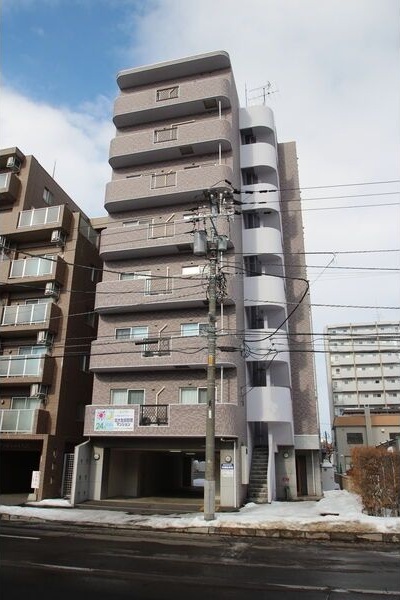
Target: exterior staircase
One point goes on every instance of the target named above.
(258, 486)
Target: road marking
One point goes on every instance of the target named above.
(60, 567)
(317, 588)
(19, 537)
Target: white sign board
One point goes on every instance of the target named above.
(35, 481)
(114, 419)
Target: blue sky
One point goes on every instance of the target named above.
(334, 70)
(66, 51)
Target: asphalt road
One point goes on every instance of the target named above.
(50, 562)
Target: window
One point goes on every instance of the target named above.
(4, 177)
(354, 438)
(95, 274)
(131, 333)
(161, 180)
(249, 177)
(167, 93)
(166, 134)
(22, 403)
(126, 396)
(252, 266)
(84, 363)
(139, 275)
(189, 395)
(191, 329)
(251, 220)
(195, 270)
(32, 350)
(48, 197)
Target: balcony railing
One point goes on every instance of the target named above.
(39, 216)
(25, 314)
(21, 366)
(17, 420)
(31, 267)
(153, 414)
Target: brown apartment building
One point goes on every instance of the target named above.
(49, 266)
(181, 134)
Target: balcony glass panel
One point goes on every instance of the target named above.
(25, 314)
(32, 267)
(20, 366)
(39, 216)
(3, 180)
(16, 420)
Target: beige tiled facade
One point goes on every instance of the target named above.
(180, 133)
(46, 325)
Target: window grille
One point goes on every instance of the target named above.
(167, 134)
(167, 93)
(161, 180)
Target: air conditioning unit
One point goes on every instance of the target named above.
(51, 289)
(44, 337)
(38, 390)
(14, 164)
(58, 237)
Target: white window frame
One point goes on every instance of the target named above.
(199, 391)
(48, 197)
(125, 392)
(197, 328)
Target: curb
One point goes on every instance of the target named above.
(283, 534)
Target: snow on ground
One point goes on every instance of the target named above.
(338, 509)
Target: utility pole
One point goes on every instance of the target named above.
(211, 245)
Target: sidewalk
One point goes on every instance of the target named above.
(337, 517)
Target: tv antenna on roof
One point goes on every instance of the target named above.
(254, 95)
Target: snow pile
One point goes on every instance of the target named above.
(338, 510)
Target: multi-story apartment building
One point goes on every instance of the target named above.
(179, 134)
(363, 368)
(49, 266)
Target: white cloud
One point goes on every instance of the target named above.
(74, 143)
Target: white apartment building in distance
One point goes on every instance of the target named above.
(181, 134)
(363, 368)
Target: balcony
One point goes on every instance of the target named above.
(24, 421)
(265, 201)
(122, 296)
(156, 239)
(10, 185)
(28, 318)
(262, 240)
(37, 224)
(269, 404)
(263, 287)
(179, 353)
(182, 420)
(194, 139)
(24, 370)
(193, 98)
(261, 156)
(32, 271)
(256, 117)
(183, 186)
(264, 342)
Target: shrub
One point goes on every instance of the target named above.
(376, 477)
